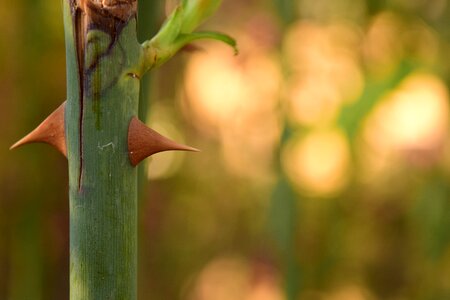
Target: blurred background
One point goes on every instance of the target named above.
(325, 164)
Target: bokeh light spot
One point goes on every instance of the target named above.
(319, 162)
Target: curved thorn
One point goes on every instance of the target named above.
(50, 131)
(144, 142)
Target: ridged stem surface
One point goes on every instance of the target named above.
(102, 97)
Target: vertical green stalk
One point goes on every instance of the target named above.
(102, 97)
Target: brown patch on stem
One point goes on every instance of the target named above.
(144, 142)
(105, 11)
(50, 131)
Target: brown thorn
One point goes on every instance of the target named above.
(144, 142)
(50, 131)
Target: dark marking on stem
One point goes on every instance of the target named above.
(95, 63)
(93, 74)
(80, 35)
(94, 83)
(101, 55)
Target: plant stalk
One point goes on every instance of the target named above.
(102, 97)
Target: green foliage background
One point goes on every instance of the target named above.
(207, 224)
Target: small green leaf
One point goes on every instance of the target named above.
(177, 32)
(185, 39)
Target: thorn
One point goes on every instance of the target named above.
(144, 142)
(50, 131)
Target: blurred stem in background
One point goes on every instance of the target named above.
(286, 10)
(27, 257)
(285, 205)
(430, 214)
(282, 220)
(26, 249)
(149, 21)
(149, 16)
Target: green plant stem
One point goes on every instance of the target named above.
(102, 98)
